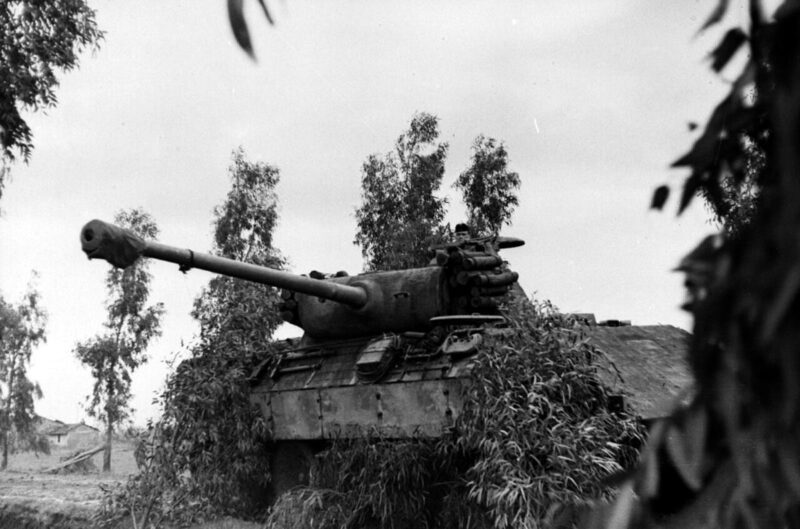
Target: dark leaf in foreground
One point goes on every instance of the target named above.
(704, 150)
(239, 26)
(263, 5)
(716, 15)
(731, 42)
(660, 196)
(689, 189)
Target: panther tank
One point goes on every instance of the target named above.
(382, 353)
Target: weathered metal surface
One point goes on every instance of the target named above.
(391, 410)
(121, 247)
(292, 414)
(313, 394)
(422, 408)
(398, 301)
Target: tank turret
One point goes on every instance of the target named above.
(466, 277)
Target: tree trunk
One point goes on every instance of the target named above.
(107, 451)
(9, 402)
(109, 419)
(4, 464)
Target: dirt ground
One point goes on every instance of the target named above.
(57, 500)
(32, 499)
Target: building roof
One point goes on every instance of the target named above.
(45, 425)
(646, 363)
(64, 429)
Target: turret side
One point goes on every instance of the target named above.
(398, 301)
(468, 277)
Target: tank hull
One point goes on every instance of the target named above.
(318, 393)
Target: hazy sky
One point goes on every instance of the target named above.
(592, 99)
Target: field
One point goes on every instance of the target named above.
(32, 499)
(57, 500)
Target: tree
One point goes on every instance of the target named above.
(39, 39)
(209, 430)
(487, 187)
(114, 354)
(243, 228)
(22, 328)
(400, 216)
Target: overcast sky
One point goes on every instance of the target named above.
(592, 99)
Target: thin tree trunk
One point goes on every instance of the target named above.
(11, 373)
(4, 464)
(109, 421)
(107, 451)
(110, 412)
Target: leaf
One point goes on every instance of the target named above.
(263, 5)
(787, 9)
(649, 474)
(622, 509)
(712, 192)
(716, 15)
(703, 153)
(689, 189)
(730, 43)
(787, 452)
(660, 196)
(685, 447)
(239, 26)
(786, 296)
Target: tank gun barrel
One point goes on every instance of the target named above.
(121, 248)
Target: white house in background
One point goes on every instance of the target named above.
(79, 435)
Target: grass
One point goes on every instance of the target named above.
(228, 523)
(122, 461)
(24, 474)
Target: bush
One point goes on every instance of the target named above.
(206, 456)
(36, 443)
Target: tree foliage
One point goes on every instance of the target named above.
(731, 458)
(535, 433)
(38, 40)
(121, 348)
(488, 187)
(207, 455)
(243, 227)
(400, 216)
(22, 328)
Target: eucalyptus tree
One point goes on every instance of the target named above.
(488, 188)
(39, 39)
(22, 328)
(208, 429)
(400, 215)
(115, 353)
